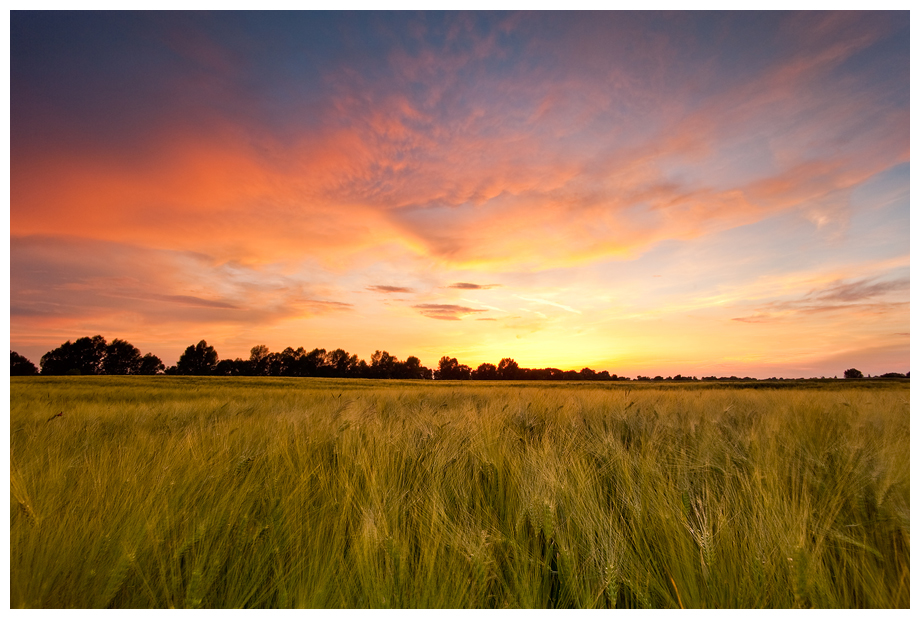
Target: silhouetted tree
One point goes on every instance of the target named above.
(450, 369)
(274, 364)
(383, 364)
(852, 373)
(198, 360)
(313, 363)
(20, 366)
(121, 357)
(410, 369)
(340, 364)
(258, 360)
(233, 367)
(507, 369)
(485, 371)
(151, 364)
(84, 356)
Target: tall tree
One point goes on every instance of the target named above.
(198, 360)
(259, 360)
(150, 364)
(450, 369)
(383, 364)
(485, 371)
(340, 363)
(121, 357)
(20, 366)
(507, 369)
(313, 363)
(413, 369)
(84, 356)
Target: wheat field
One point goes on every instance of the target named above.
(175, 492)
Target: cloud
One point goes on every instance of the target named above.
(584, 154)
(756, 318)
(491, 307)
(388, 289)
(863, 289)
(66, 285)
(445, 312)
(552, 303)
(179, 299)
(838, 296)
(468, 286)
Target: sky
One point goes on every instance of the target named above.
(644, 193)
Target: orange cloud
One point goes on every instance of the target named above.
(445, 311)
(389, 289)
(473, 183)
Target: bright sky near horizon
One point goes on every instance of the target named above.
(646, 193)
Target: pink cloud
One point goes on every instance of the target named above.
(506, 170)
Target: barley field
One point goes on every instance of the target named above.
(180, 492)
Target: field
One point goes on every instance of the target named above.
(228, 492)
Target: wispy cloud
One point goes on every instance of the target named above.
(468, 286)
(390, 289)
(445, 312)
(552, 303)
(861, 290)
(838, 296)
(491, 307)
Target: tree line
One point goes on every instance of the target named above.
(89, 355)
(92, 356)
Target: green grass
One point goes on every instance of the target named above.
(228, 492)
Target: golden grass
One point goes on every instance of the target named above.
(247, 492)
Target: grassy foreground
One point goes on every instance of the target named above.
(229, 492)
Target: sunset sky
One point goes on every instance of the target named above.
(643, 193)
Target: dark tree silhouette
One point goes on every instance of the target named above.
(230, 367)
(197, 360)
(383, 364)
(258, 360)
(150, 364)
(20, 366)
(413, 369)
(312, 363)
(852, 373)
(340, 364)
(485, 371)
(507, 369)
(84, 356)
(121, 357)
(450, 369)
(92, 356)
